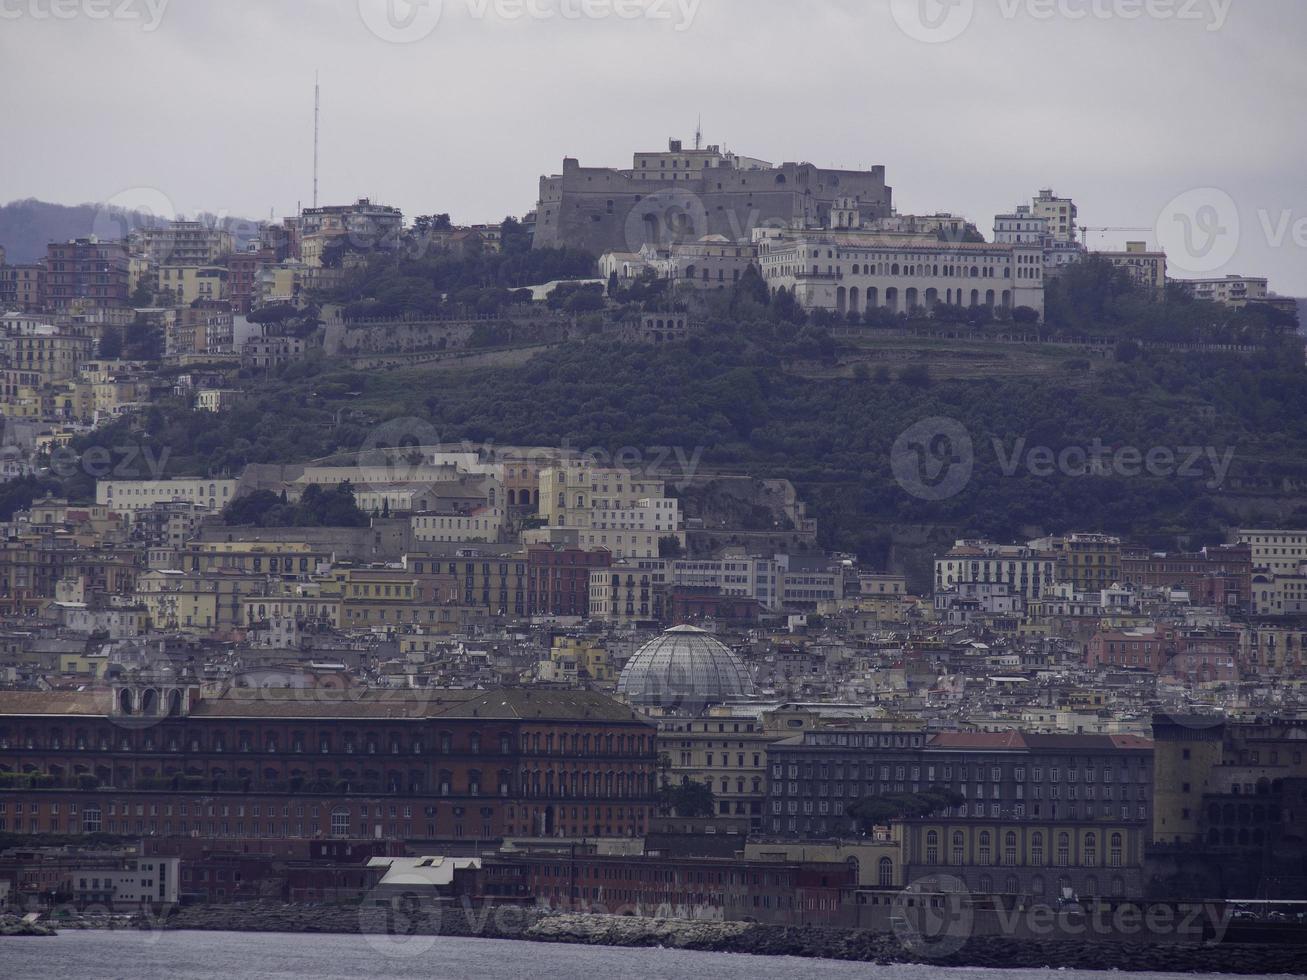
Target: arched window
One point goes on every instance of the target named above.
(1091, 850)
(1010, 848)
(932, 847)
(986, 851)
(1114, 851)
(958, 847)
(1037, 848)
(1063, 849)
(885, 873)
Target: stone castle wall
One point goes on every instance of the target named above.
(601, 209)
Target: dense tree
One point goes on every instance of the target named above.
(317, 507)
(688, 799)
(872, 811)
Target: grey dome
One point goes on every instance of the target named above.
(685, 669)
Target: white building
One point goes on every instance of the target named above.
(1280, 594)
(734, 575)
(615, 509)
(141, 881)
(1029, 572)
(1021, 227)
(484, 524)
(1278, 552)
(849, 269)
(1230, 290)
(129, 496)
(1060, 213)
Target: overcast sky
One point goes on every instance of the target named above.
(1184, 112)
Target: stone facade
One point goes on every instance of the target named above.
(601, 209)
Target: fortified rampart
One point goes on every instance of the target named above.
(601, 209)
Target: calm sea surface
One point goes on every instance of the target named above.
(274, 956)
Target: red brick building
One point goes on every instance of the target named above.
(687, 604)
(1221, 574)
(86, 273)
(558, 579)
(155, 759)
(243, 270)
(1203, 655)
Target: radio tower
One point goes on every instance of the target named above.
(698, 134)
(316, 107)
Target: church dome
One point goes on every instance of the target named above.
(685, 669)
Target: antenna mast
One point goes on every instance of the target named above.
(316, 108)
(698, 134)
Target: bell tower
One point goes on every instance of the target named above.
(148, 695)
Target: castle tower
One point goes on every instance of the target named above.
(845, 214)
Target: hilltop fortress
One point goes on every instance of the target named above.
(683, 195)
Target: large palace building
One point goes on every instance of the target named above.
(159, 758)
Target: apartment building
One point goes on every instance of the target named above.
(1059, 215)
(1277, 552)
(86, 274)
(617, 510)
(1029, 572)
(1146, 267)
(1234, 291)
(1090, 562)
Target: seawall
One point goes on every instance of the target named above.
(534, 924)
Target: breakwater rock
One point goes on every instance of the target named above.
(540, 925)
(12, 925)
(614, 930)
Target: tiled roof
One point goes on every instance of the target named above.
(976, 740)
(365, 705)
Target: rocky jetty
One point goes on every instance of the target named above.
(539, 925)
(12, 925)
(613, 930)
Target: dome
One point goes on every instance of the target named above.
(684, 669)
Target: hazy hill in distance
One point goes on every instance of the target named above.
(28, 226)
